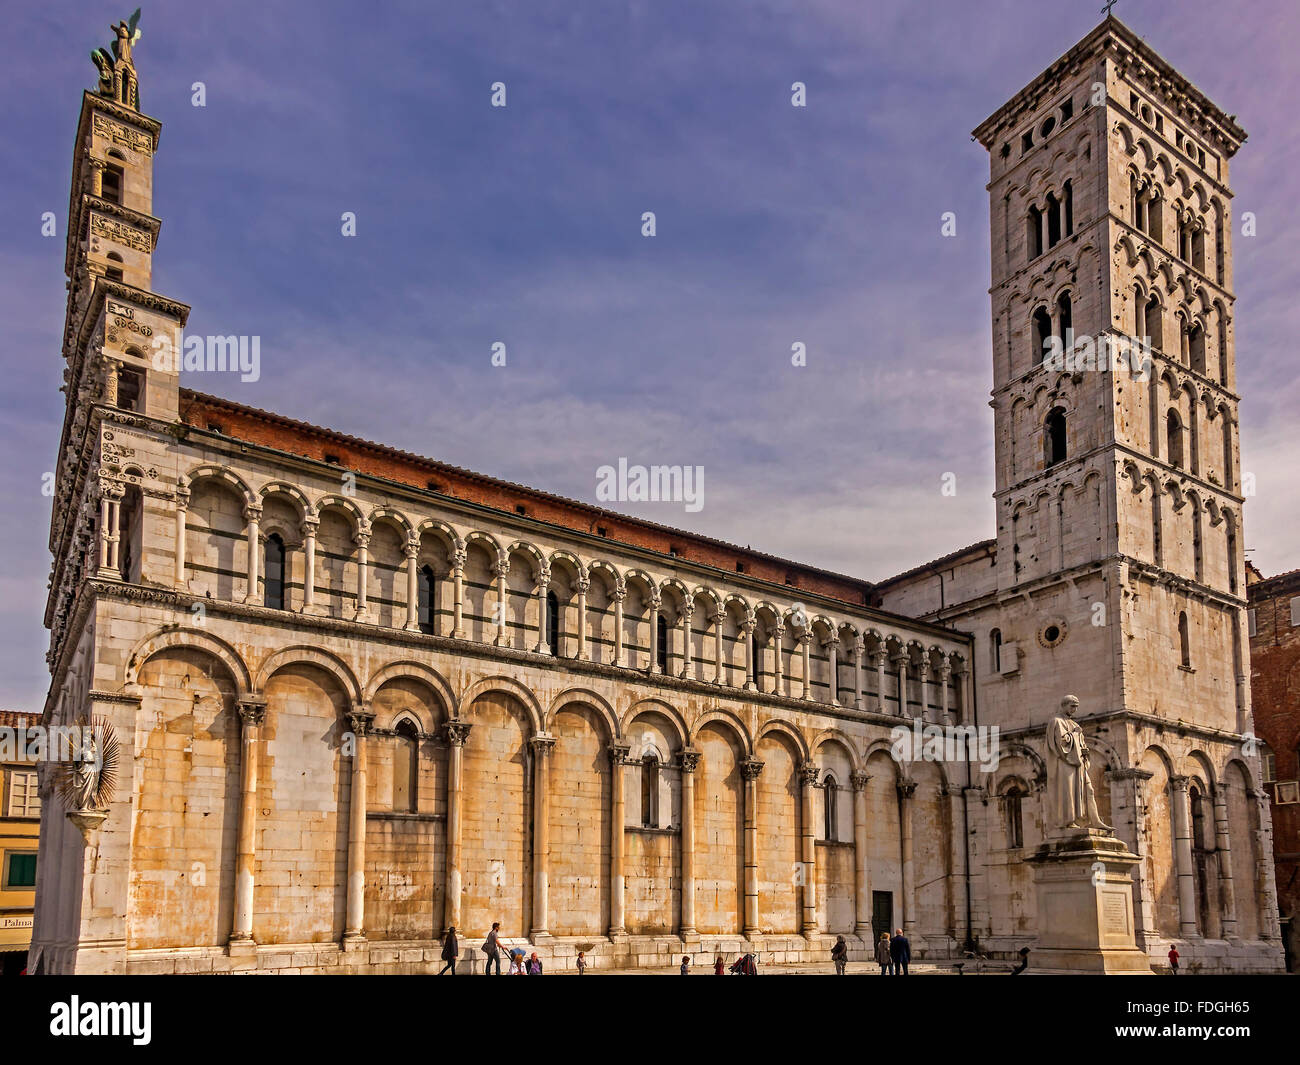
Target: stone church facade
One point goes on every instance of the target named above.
(363, 696)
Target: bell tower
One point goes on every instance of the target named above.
(1113, 392)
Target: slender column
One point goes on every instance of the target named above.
(111, 380)
(309, 564)
(182, 505)
(583, 584)
(109, 495)
(906, 789)
(97, 168)
(458, 559)
(1183, 856)
(456, 732)
(878, 660)
(1222, 844)
(689, 760)
(620, 593)
(1270, 926)
(900, 664)
(805, 657)
(253, 516)
(501, 569)
(543, 637)
(808, 781)
(778, 661)
(945, 675)
(252, 712)
(717, 618)
(749, 770)
(412, 550)
(618, 753)
(1130, 821)
(688, 608)
(859, 645)
(362, 540)
(543, 745)
(655, 604)
(923, 683)
(354, 934)
(833, 655)
(748, 629)
(861, 897)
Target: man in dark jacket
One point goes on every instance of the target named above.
(900, 950)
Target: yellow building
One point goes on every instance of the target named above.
(20, 824)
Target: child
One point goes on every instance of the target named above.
(582, 962)
(1173, 961)
(686, 965)
(719, 967)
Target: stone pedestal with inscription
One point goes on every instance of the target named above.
(1084, 886)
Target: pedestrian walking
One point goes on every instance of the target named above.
(883, 955)
(686, 965)
(1173, 961)
(900, 952)
(450, 951)
(840, 955)
(492, 948)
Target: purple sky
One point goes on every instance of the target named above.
(522, 225)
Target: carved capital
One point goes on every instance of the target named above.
(456, 732)
(750, 768)
(688, 759)
(618, 753)
(859, 779)
(360, 720)
(906, 788)
(542, 744)
(411, 549)
(252, 711)
(808, 774)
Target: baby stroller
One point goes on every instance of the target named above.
(745, 965)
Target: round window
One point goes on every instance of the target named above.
(1052, 633)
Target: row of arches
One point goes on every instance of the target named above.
(484, 805)
(274, 548)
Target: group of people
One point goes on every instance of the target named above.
(893, 954)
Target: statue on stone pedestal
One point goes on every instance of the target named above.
(1071, 801)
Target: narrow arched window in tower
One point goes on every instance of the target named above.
(1198, 557)
(1064, 321)
(1198, 249)
(113, 271)
(426, 602)
(111, 184)
(1232, 557)
(1227, 450)
(273, 572)
(1155, 219)
(661, 624)
(129, 517)
(1042, 332)
(1174, 438)
(1013, 798)
(1054, 437)
(1196, 347)
(1151, 324)
(1034, 232)
(130, 388)
(406, 768)
(830, 808)
(1184, 646)
(1069, 209)
(553, 623)
(1134, 202)
(1223, 346)
(650, 791)
(1053, 213)
(1219, 256)
(995, 650)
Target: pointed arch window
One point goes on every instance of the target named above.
(995, 650)
(1013, 801)
(830, 807)
(425, 589)
(650, 790)
(406, 768)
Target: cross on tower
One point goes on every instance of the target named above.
(1109, 4)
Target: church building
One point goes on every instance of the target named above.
(359, 696)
